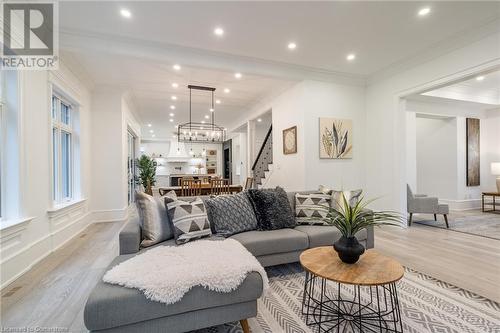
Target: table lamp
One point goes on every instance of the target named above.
(495, 170)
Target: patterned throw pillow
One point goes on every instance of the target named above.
(189, 219)
(231, 214)
(272, 209)
(154, 219)
(351, 196)
(310, 208)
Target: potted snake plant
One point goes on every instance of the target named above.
(351, 219)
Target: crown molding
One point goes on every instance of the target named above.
(83, 41)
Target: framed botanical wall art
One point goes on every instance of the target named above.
(335, 138)
(290, 140)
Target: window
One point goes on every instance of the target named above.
(63, 137)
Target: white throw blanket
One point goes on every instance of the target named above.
(165, 273)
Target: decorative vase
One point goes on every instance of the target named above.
(349, 249)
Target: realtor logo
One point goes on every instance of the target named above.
(29, 35)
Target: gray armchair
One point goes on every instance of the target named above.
(421, 203)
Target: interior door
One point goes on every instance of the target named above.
(227, 160)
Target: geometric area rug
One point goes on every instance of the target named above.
(427, 305)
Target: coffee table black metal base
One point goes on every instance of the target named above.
(377, 310)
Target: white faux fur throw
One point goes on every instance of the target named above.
(165, 273)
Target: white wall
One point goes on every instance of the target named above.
(385, 135)
(39, 229)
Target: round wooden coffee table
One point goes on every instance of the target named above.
(362, 296)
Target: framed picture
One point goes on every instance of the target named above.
(290, 140)
(335, 138)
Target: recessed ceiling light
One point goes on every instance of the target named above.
(217, 101)
(149, 125)
(176, 67)
(171, 120)
(424, 11)
(227, 91)
(173, 97)
(171, 114)
(176, 126)
(219, 31)
(480, 78)
(351, 57)
(207, 116)
(175, 85)
(259, 120)
(151, 131)
(172, 107)
(153, 136)
(203, 121)
(238, 75)
(126, 13)
(212, 110)
(292, 46)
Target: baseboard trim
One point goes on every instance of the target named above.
(45, 245)
(461, 205)
(110, 215)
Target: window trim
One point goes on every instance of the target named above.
(56, 170)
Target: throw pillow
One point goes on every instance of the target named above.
(272, 209)
(189, 219)
(154, 220)
(351, 196)
(231, 214)
(311, 209)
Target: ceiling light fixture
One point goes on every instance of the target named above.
(259, 120)
(175, 85)
(190, 131)
(172, 107)
(480, 78)
(153, 136)
(176, 67)
(351, 57)
(238, 75)
(227, 91)
(424, 11)
(217, 101)
(203, 121)
(151, 131)
(219, 31)
(126, 13)
(292, 46)
(149, 125)
(171, 114)
(173, 97)
(171, 120)
(212, 110)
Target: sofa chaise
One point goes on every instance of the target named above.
(112, 308)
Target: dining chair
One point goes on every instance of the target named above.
(249, 183)
(219, 186)
(190, 187)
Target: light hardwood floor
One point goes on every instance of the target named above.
(53, 293)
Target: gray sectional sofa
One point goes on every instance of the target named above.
(112, 308)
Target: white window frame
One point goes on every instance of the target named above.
(57, 175)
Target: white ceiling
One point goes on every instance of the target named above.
(486, 91)
(380, 33)
(149, 84)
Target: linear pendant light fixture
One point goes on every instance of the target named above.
(200, 132)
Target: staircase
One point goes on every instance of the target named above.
(263, 163)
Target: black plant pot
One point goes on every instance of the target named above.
(348, 249)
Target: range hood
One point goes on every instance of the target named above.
(177, 152)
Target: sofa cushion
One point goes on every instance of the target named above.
(231, 214)
(311, 209)
(111, 306)
(189, 219)
(272, 208)
(261, 243)
(154, 219)
(319, 235)
(352, 197)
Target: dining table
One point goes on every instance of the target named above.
(206, 189)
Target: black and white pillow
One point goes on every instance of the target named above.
(189, 220)
(231, 214)
(312, 209)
